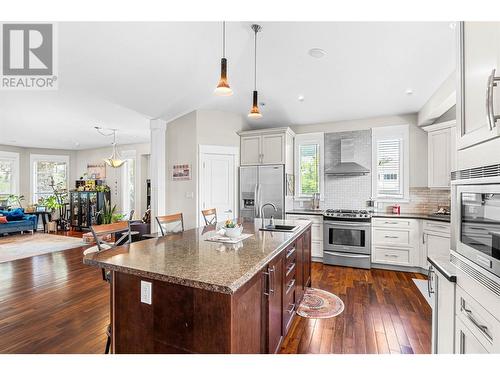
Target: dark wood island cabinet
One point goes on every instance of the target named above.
(207, 297)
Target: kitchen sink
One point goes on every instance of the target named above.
(280, 228)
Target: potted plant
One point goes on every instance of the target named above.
(109, 214)
(17, 199)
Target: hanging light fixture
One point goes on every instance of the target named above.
(254, 111)
(223, 88)
(115, 160)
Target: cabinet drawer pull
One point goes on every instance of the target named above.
(490, 110)
(390, 255)
(292, 308)
(391, 222)
(437, 226)
(473, 320)
(266, 283)
(290, 252)
(391, 236)
(290, 268)
(273, 278)
(290, 286)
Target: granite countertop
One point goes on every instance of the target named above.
(443, 266)
(410, 215)
(188, 259)
(306, 211)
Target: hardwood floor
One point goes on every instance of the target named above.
(384, 313)
(53, 303)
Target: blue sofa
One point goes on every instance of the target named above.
(18, 221)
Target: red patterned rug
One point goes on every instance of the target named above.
(318, 304)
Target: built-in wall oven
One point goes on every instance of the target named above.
(347, 239)
(476, 222)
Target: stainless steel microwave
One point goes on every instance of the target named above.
(476, 223)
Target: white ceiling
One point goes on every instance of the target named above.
(120, 75)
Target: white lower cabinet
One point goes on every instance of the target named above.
(467, 343)
(395, 242)
(443, 313)
(435, 240)
(316, 233)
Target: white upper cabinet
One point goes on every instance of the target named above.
(273, 149)
(478, 96)
(269, 146)
(441, 157)
(251, 150)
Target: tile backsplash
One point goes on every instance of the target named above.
(422, 200)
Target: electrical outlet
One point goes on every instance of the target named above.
(146, 292)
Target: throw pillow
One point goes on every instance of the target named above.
(3, 220)
(15, 215)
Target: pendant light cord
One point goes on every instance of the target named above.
(255, 63)
(223, 39)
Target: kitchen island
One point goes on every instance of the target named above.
(207, 297)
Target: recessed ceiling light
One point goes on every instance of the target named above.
(317, 53)
(409, 92)
(301, 98)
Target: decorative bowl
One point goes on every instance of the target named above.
(233, 232)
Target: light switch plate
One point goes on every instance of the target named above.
(146, 292)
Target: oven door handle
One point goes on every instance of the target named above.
(339, 224)
(357, 256)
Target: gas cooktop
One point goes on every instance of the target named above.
(354, 215)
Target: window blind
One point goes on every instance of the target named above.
(389, 176)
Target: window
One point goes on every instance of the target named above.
(308, 164)
(9, 173)
(48, 172)
(390, 158)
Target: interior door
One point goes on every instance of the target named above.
(271, 190)
(217, 187)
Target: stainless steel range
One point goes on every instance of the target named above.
(347, 238)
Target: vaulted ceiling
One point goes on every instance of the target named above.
(120, 75)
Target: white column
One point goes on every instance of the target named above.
(158, 169)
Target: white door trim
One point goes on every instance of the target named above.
(219, 150)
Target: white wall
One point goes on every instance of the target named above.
(184, 136)
(24, 166)
(418, 139)
(113, 175)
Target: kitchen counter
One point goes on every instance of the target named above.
(188, 259)
(444, 266)
(409, 215)
(306, 211)
(183, 294)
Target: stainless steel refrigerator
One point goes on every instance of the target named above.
(259, 185)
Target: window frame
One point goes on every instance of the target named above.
(47, 158)
(14, 157)
(127, 155)
(401, 132)
(309, 139)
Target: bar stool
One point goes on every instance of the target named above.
(210, 216)
(100, 233)
(168, 221)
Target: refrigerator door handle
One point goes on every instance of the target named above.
(256, 200)
(258, 203)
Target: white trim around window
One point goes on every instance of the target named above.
(14, 158)
(50, 158)
(309, 139)
(388, 133)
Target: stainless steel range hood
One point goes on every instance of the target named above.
(347, 165)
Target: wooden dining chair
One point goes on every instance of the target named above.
(169, 220)
(210, 216)
(121, 235)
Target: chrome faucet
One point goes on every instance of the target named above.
(262, 213)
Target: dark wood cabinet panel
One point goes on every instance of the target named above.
(275, 304)
(299, 269)
(306, 246)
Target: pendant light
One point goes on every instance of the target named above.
(223, 88)
(254, 111)
(115, 160)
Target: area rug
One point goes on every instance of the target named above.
(319, 303)
(21, 246)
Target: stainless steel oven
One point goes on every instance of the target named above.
(476, 223)
(347, 243)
